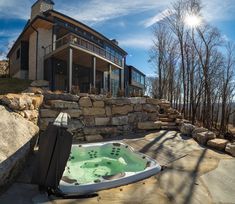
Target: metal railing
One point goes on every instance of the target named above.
(80, 42)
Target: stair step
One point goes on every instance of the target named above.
(168, 124)
(166, 127)
(167, 119)
(163, 116)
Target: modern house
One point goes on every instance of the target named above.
(134, 81)
(67, 53)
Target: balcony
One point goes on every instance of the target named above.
(87, 46)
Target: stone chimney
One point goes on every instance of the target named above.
(115, 41)
(40, 7)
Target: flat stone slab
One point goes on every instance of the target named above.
(221, 182)
(219, 144)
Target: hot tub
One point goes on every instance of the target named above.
(98, 166)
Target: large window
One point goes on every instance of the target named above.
(115, 82)
(137, 77)
(115, 56)
(80, 32)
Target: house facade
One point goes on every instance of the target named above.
(134, 81)
(67, 53)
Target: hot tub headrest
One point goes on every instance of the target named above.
(62, 120)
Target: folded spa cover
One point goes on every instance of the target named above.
(54, 150)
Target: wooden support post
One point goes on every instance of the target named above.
(94, 72)
(70, 69)
(109, 78)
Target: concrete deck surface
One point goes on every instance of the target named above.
(194, 174)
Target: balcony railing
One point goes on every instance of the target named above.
(84, 44)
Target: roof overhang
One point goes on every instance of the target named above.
(38, 22)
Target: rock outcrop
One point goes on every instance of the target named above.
(205, 137)
(26, 104)
(219, 144)
(187, 129)
(4, 68)
(230, 148)
(16, 139)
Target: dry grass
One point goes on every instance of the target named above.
(8, 85)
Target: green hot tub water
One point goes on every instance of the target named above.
(90, 164)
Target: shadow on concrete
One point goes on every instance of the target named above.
(189, 187)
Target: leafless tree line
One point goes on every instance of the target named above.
(194, 67)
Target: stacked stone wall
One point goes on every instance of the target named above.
(97, 117)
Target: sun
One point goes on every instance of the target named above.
(192, 20)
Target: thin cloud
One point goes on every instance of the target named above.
(94, 11)
(17, 9)
(218, 10)
(139, 42)
(159, 17)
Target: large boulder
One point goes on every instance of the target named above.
(59, 104)
(94, 138)
(102, 121)
(230, 148)
(40, 83)
(187, 129)
(122, 120)
(218, 144)
(138, 100)
(16, 138)
(93, 111)
(204, 137)
(198, 130)
(122, 110)
(150, 108)
(61, 96)
(85, 102)
(98, 104)
(118, 101)
(18, 102)
(153, 101)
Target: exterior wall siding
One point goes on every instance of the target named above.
(15, 63)
(44, 39)
(32, 56)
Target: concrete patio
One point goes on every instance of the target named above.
(193, 174)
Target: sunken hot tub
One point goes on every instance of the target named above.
(98, 166)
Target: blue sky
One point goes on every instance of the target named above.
(128, 21)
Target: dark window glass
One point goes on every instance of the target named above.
(18, 54)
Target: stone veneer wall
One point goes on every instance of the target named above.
(97, 117)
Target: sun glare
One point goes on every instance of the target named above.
(192, 20)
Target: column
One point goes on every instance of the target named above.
(121, 79)
(54, 36)
(109, 77)
(94, 71)
(70, 69)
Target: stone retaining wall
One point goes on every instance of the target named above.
(96, 117)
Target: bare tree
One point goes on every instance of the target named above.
(193, 71)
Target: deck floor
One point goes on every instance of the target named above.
(189, 168)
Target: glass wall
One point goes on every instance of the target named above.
(137, 77)
(115, 80)
(115, 56)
